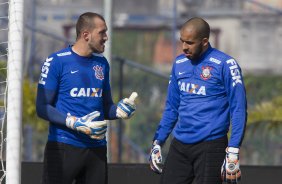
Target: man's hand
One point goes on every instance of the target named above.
(126, 107)
(156, 157)
(230, 170)
(87, 125)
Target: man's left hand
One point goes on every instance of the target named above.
(126, 107)
(230, 170)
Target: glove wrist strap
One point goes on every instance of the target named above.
(232, 150)
(70, 121)
(156, 142)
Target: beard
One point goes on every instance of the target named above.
(96, 47)
(197, 54)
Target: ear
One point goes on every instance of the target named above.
(85, 35)
(205, 42)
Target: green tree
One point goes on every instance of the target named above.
(264, 100)
(264, 126)
(267, 112)
(29, 108)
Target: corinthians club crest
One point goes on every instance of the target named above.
(206, 73)
(98, 72)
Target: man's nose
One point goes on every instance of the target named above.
(185, 46)
(106, 37)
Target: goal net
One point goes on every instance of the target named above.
(11, 56)
(3, 82)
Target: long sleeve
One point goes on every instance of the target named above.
(47, 92)
(109, 107)
(235, 89)
(170, 114)
(46, 110)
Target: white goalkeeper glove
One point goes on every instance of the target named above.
(126, 107)
(156, 157)
(87, 125)
(230, 170)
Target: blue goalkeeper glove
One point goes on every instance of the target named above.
(87, 125)
(156, 157)
(126, 107)
(230, 170)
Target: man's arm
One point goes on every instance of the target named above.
(45, 109)
(125, 107)
(108, 104)
(233, 80)
(86, 124)
(236, 92)
(109, 107)
(169, 118)
(47, 91)
(170, 114)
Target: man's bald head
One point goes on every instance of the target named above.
(197, 25)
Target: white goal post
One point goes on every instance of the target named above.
(14, 100)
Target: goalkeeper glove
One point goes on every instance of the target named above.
(86, 125)
(126, 107)
(156, 157)
(230, 170)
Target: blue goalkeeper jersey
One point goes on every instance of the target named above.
(203, 98)
(79, 84)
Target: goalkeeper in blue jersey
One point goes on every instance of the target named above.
(205, 94)
(74, 95)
